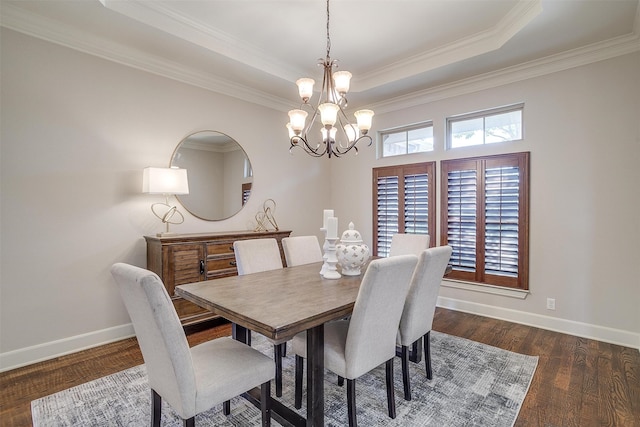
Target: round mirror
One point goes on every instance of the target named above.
(219, 174)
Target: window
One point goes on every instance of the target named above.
(404, 202)
(486, 127)
(407, 140)
(485, 218)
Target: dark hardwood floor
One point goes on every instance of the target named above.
(578, 382)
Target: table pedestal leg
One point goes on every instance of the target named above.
(240, 333)
(315, 376)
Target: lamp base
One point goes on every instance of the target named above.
(166, 234)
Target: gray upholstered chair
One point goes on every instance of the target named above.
(368, 339)
(403, 244)
(420, 307)
(255, 256)
(190, 380)
(299, 250)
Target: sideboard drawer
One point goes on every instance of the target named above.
(222, 248)
(221, 264)
(188, 258)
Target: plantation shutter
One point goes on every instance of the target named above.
(387, 213)
(416, 203)
(402, 199)
(485, 218)
(246, 192)
(502, 194)
(461, 218)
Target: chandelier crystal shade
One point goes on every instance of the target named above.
(339, 135)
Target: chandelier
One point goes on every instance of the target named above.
(339, 135)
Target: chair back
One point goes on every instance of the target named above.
(256, 255)
(299, 250)
(371, 338)
(160, 335)
(404, 244)
(417, 316)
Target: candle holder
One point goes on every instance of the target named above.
(325, 246)
(331, 272)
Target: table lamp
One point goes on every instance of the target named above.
(166, 181)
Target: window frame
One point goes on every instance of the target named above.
(483, 114)
(406, 130)
(428, 168)
(480, 164)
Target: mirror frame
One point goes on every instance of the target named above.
(243, 189)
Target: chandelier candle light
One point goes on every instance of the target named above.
(339, 135)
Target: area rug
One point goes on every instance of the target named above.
(473, 385)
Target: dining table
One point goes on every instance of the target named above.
(280, 304)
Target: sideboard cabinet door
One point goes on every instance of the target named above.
(188, 258)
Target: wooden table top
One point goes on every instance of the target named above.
(278, 303)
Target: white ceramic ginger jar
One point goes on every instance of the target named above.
(352, 253)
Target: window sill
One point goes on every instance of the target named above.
(484, 288)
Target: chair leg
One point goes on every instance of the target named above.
(190, 422)
(226, 407)
(351, 402)
(284, 349)
(427, 354)
(391, 398)
(265, 403)
(277, 357)
(298, 386)
(340, 381)
(156, 408)
(404, 357)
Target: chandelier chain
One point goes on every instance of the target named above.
(328, 37)
(339, 135)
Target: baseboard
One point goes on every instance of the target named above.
(585, 330)
(38, 353)
(41, 352)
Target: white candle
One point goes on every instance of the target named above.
(325, 215)
(332, 227)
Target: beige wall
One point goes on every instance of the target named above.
(581, 127)
(77, 131)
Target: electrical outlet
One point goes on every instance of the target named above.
(551, 304)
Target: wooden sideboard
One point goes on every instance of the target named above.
(187, 258)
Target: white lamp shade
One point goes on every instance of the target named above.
(341, 80)
(352, 132)
(297, 119)
(165, 181)
(328, 113)
(305, 88)
(290, 130)
(332, 133)
(364, 118)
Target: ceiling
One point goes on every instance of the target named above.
(397, 50)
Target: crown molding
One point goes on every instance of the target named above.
(37, 26)
(52, 31)
(596, 52)
(468, 47)
(165, 18)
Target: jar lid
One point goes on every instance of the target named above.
(351, 235)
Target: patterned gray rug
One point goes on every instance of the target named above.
(473, 385)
